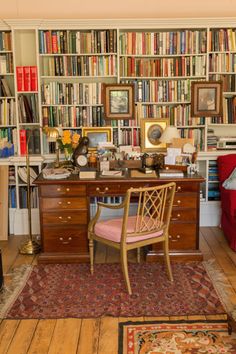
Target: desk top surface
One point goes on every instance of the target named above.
(74, 179)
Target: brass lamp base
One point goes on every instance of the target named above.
(30, 247)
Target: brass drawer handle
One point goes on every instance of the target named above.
(65, 242)
(178, 189)
(177, 218)
(69, 203)
(61, 218)
(59, 203)
(67, 189)
(58, 189)
(178, 203)
(102, 192)
(174, 239)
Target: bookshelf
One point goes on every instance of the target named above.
(52, 71)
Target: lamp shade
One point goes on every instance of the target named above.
(169, 134)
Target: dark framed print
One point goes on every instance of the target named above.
(151, 131)
(97, 135)
(118, 101)
(206, 99)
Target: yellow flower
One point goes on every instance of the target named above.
(75, 138)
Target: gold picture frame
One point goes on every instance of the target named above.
(118, 100)
(206, 99)
(151, 130)
(97, 135)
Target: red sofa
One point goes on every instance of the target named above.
(226, 165)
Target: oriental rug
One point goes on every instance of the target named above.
(69, 290)
(176, 337)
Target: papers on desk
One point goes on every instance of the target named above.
(55, 173)
(111, 173)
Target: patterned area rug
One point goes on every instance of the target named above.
(69, 290)
(179, 337)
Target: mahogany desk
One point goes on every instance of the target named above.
(65, 212)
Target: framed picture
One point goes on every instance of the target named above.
(206, 99)
(151, 131)
(118, 101)
(97, 135)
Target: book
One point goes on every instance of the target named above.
(170, 173)
(87, 174)
(23, 143)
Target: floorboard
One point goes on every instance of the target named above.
(91, 336)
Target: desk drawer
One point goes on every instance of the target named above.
(63, 203)
(184, 215)
(79, 217)
(182, 236)
(59, 190)
(185, 201)
(186, 187)
(104, 189)
(69, 239)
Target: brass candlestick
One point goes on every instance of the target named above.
(30, 246)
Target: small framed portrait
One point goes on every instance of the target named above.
(151, 131)
(96, 136)
(206, 99)
(118, 100)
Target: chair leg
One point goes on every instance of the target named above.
(91, 255)
(167, 260)
(124, 264)
(138, 255)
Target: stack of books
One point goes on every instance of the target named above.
(170, 173)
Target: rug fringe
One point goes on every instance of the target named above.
(221, 285)
(10, 292)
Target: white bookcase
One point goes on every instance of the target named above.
(160, 56)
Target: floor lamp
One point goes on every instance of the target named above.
(30, 246)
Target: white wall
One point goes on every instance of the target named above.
(82, 9)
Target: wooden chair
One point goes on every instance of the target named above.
(150, 225)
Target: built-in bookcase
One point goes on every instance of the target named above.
(51, 73)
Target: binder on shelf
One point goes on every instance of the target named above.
(20, 78)
(27, 79)
(33, 78)
(23, 142)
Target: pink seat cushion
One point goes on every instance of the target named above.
(111, 230)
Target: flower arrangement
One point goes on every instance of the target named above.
(68, 141)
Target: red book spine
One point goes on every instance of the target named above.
(33, 78)
(27, 81)
(23, 142)
(20, 78)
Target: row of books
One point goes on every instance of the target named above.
(68, 42)
(7, 111)
(161, 90)
(211, 139)
(27, 78)
(164, 43)
(28, 108)
(222, 62)
(6, 63)
(12, 197)
(230, 109)
(161, 67)
(65, 116)
(32, 137)
(5, 41)
(8, 135)
(196, 134)
(33, 197)
(177, 114)
(5, 90)
(12, 175)
(223, 39)
(104, 65)
(130, 137)
(71, 93)
(228, 81)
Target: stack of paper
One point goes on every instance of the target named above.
(55, 173)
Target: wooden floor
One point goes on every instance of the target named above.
(88, 336)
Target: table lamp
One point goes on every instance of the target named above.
(52, 136)
(169, 134)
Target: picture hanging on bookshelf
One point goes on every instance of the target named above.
(118, 100)
(206, 99)
(151, 131)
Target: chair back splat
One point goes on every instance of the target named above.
(149, 225)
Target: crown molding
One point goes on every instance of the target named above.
(121, 23)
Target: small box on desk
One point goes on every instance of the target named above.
(176, 167)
